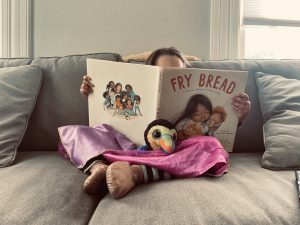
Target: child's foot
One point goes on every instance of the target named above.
(122, 178)
(96, 180)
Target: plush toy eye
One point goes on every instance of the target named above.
(156, 134)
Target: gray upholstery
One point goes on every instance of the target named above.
(249, 137)
(14, 62)
(43, 188)
(247, 195)
(60, 102)
(19, 89)
(280, 104)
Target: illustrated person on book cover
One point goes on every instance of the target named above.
(124, 103)
(136, 105)
(107, 102)
(194, 119)
(216, 119)
(118, 88)
(130, 92)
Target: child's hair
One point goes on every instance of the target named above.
(117, 96)
(108, 85)
(191, 107)
(220, 110)
(105, 94)
(137, 98)
(128, 86)
(123, 94)
(128, 100)
(172, 51)
(118, 84)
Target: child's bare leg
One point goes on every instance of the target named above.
(121, 178)
(96, 180)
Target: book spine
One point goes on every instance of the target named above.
(159, 94)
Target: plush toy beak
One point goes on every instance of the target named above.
(167, 143)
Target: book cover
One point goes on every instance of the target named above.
(198, 102)
(125, 96)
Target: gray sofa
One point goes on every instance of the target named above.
(41, 187)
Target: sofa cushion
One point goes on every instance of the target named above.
(44, 188)
(249, 137)
(60, 102)
(280, 104)
(14, 62)
(247, 195)
(19, 88)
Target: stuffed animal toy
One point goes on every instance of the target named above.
(160, 134)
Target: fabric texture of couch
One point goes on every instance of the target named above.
(19, 89)
(43, 188)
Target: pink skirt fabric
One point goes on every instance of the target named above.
(192, 157)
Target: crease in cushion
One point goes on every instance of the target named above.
(19, 88)
(280, 105)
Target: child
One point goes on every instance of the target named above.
(124, 96)
(112, 95)
(118, 88)
(107, 102)
(110, 86)
(119, 110)
(216, 119)
(118, 101)
(130, 92)
(136, 104)
(91, 161)
(193, 120)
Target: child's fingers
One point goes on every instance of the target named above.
(87, 77)
(83, 91)
(243, 96)
(235, 108)
(240, 101)
(88, 83)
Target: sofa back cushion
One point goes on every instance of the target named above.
(19, 88)
(14, 62)
(249, 136)
(60, 102)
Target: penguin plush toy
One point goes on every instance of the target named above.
(160, 134)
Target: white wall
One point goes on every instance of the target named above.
(63, 27)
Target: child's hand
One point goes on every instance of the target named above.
(86, 86)
(241, 105)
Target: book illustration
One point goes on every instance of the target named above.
(197, 101)
(123, 104)
(199, 118)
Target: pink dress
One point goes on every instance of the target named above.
(192, 157)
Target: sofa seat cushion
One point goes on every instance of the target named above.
(44, 188)
(248, 194)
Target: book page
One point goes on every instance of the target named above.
(198, 101)
(125, 96)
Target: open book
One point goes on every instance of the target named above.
(198, 101)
